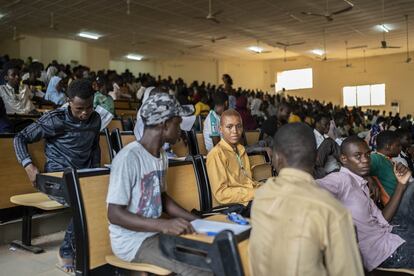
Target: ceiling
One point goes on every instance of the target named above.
(160, 29)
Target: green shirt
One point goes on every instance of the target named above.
(382, 168)
(104, 101)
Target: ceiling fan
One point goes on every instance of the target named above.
(16, 36)
(408, 59)
(329, 15)
(347, 64)
(325, 55)
(384, 44)
(128, 10)
(287, 45)
(259, 50)
(211, 16)
(194, 46)
(214, 39)
(52, 24)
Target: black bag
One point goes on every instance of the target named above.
(225, 209)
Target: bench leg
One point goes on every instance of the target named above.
(26, 242)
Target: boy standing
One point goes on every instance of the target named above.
(71, 134)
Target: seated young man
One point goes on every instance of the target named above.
(380, 243)
(405, 157)
(211, 131)
(136, 196)
(389, 146)
(228, 165)
(16, 98)
(101, 96)
(71, 135)
(297, 227)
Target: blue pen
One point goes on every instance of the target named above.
(209, 233)
(236, 218)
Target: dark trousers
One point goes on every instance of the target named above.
(403, 222)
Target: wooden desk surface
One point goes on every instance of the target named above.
(56, 174)
(242, 246)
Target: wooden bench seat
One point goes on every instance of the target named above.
(29, 202)
(115, 261)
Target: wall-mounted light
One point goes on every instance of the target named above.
(89, 35)
(134, 57)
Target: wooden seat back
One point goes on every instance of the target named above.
(180, 148)
(257, 159)
(120, 139)
(252, 137)
(87, 196)
(13, 177)
(94, 190)
(202, 150)
(115, 123)
(121, 104)
(106, 148)
(183, 185)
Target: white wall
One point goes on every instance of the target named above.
(62, 50)
(329, 77)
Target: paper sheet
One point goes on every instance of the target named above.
(187, 123)
(106, 116)
(208, 226)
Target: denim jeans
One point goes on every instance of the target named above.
(403, 222)
(67, 249)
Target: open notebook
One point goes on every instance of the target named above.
(203, 226)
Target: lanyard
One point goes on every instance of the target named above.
(241, 165)
(239, 161)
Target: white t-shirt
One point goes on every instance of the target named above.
(137, 180)
(16, 103)
(211, 129)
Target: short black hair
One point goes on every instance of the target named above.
(402, 132)
(220, 98)
(81, 88)
(10, 66)
(296, 142)
(320, 116)
(386, 138)
(354, 139)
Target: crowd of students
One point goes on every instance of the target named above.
(336, 167)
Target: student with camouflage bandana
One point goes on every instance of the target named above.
(136, 195)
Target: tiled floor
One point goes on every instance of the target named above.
(15, 262)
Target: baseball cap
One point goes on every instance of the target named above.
(160, 107)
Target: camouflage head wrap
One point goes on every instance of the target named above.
(160, 107)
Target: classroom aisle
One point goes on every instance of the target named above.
(22, 263)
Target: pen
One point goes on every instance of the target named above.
(209, 233)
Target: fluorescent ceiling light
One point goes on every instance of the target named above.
(384, 28)
(134, 57)
(89, 35)
(256, 49)
(2, 15)
(318, 52)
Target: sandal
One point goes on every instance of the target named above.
(66, 265)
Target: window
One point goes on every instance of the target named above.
(294, 79)
(364, 95)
